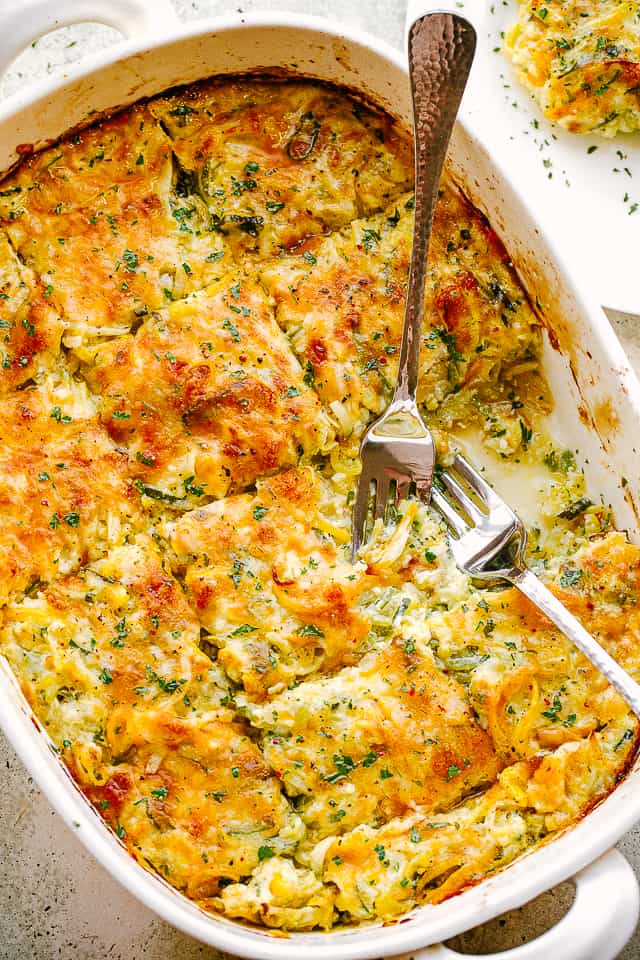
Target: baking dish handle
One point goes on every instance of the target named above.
(23, 21)
(597, 926)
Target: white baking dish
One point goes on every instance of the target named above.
(598, 407)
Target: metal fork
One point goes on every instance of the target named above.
(488, 541)
(398, 447)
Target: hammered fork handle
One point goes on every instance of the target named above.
(533, 588)
(441, 50)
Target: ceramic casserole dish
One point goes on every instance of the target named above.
(597, 405)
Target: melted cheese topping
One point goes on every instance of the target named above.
(293, 603)
(65, 497)
(207, 395)
(341, 301)
(375, 741)
(274, 170)
(200, 305)
(581, 61)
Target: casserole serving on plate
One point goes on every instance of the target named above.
(561, 312)
(582, 63)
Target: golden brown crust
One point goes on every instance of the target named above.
(194, 801)
(99, 221)
(207, 395)
(341, 299)
(376, 742)
(30, 327)
(271, 589)
(141, 709)
(277, 162)
(64, 498)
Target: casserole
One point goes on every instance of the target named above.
(378, 74)
(581, 64)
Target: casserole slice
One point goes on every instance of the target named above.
(108, 657)
(532, 690)
(274, 162)
(101, 221)
(65, 496)
(341, 301)
(270, 585)
(207, 395)
(376, 741)
(580, 60)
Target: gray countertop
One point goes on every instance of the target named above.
(55, 901)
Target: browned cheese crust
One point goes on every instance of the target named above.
(201, 302)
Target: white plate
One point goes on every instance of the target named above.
(578, 196)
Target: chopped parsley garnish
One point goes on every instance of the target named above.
(217, 795)
(238, 187)
(344, 766)
(168, 686)
(570, 576)
(449, 340)
(379, 849)
(233, 330)
(309, 378)
(191, 487)
(131, 260)
(259, 513)
(309, 630)
(57, 415)
(554, 711)
(265, 853)
(243, 629)
(147, 461)
(370, 239)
